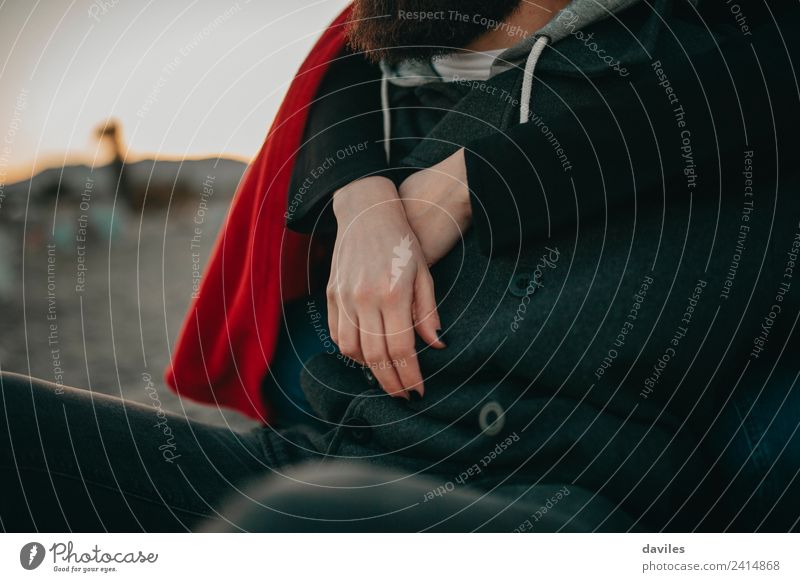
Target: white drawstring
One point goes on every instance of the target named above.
(527, 78)
(387, 114)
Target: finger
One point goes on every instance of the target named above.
(332, 297)
(426, 316)
(400, 341)
(349, 335)
(376, 355)
(333, 312)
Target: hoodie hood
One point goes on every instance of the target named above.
(574, 17)
(574, 50)
(594, 37)
(585, 38)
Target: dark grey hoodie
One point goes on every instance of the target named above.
(596, 358)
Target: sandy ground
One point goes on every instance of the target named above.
(111, 326)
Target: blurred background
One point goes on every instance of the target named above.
(124, 126)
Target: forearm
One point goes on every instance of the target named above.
(342, 143)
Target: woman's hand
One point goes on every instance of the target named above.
(437, 205)
(380, 289)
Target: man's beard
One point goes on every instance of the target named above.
(397, 30)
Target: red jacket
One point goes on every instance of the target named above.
(229, 335)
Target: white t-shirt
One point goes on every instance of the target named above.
(469, 66)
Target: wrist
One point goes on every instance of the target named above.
(362, 194)
(458, 171)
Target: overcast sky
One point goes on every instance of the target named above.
(184, 77)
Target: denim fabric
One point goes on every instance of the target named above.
(756, 442)
(75, 460)
(303, 334)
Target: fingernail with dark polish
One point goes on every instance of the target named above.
(414, 395)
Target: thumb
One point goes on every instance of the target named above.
(426, 316)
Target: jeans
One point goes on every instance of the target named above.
(74, 460)
(755, 447)
(303, 334)
(78, 460)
